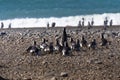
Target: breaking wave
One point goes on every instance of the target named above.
(62, 21)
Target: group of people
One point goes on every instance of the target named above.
(2, 25)
(91, 23)
(63, 46)
(82, 23)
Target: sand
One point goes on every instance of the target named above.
(100, 64)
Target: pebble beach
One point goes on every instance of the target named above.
(103, 63)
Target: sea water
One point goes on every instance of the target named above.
(37, 13)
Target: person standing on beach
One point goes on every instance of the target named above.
(105, 22)
(89, 25)
(111, 23)
(79, 24)
(92, 22)
(53, 24)
(48, 25)
(2, 25)
(9, 26)
(83, 22)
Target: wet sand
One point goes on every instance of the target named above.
(100, 64)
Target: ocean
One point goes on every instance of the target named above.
(37, 13)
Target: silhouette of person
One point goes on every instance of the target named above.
(9, 26)
(92, 22)
(79, 24)
(83, 22)
(53, 24)
(111, 22)
(2, 25)
(48, 25)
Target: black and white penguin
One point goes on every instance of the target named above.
(66, 49)
(103, 40)
(34, 50)
(58, 46)
(73, 44)
(77, 47)
(92, 44)
(64, 37)
(43, 45)
(49, 48)
(83, 42)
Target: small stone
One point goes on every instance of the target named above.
(44, 62)
(64, 74)
(53, 78)
(98, 62)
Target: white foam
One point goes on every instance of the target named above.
(63, 21)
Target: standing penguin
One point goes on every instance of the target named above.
(77, 47)
(104, 41)
(66, 49)
(64, 37)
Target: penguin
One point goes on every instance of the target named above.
(73, 44)
(58, 46)
(34, 50)
(43, 45)
(103, 40)
(64, 37)
(77, 47)
(83, 42)
(66, 49)
(92, 44)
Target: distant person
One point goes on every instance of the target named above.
(83, 22)
(92, 22)
(89, 25)
(79, 24)
(105, 23)
(9, 26)
(48, 25)
(111, 22)
(2, 25)
(53, 24)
